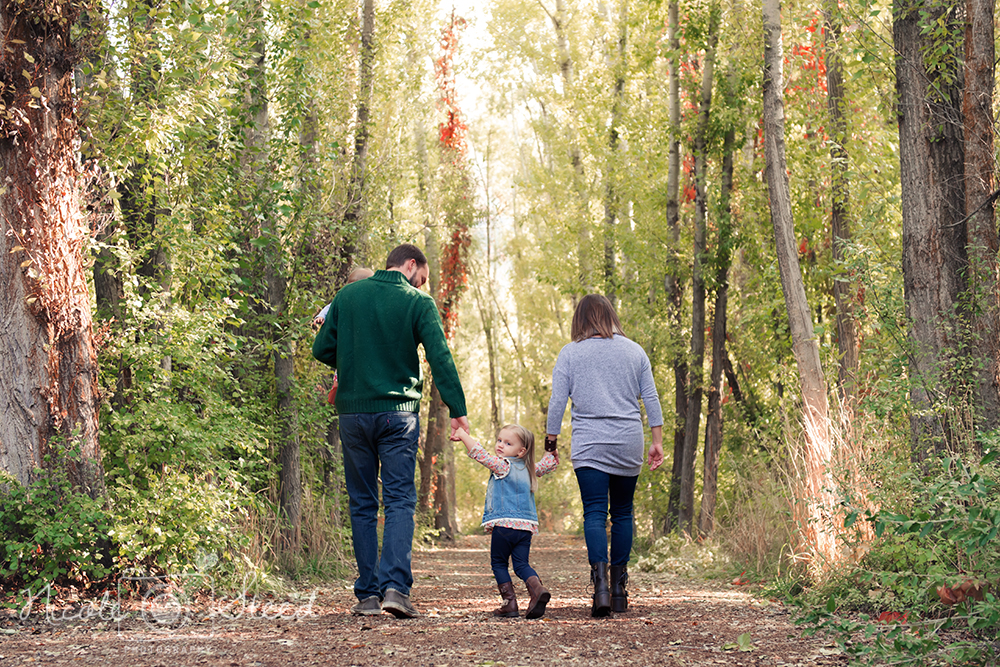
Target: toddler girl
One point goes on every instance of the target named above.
(510, 511)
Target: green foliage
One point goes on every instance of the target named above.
(175, 520)
(681, 556)
(51, 533)
(931, 551)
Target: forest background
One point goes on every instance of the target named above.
(791, 208)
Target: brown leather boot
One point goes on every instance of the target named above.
(602, 595)
(539, 598)
(509, 608)
(619, 596)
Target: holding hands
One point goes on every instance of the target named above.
(459, 424)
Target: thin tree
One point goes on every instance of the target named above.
(815, 525)
(720, 357)
(672, 279)
(840, 229)
(262, 222)
(696, 358)
(353, 225)
(48, 370)
(457, 212)
(611, 203)
(559, 19)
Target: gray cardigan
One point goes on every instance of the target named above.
(605, 378)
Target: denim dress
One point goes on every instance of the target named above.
(510, 497)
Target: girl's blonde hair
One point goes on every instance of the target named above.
(528, 441)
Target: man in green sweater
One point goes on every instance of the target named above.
(370, 336)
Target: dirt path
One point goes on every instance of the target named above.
(670, 622)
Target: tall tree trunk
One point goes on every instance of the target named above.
(672, 280)
(48, 368)
(713, 426)
(256, 165)
(840, 229)
(818, 533)
(485, 306)
(932, 164)
(984, 291)
(696, 360)
(611, 171)
(432, 445)
(354, 212)
(582, 201)
(458, 215)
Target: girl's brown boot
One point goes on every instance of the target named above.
(539, 597)
(509, 607)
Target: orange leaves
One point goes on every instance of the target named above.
(969, 589)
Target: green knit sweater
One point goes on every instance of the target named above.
(371, 336)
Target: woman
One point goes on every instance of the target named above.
(605, 373)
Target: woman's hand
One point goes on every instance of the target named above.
(655, 457)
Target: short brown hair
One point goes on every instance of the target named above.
(595, 316)
(402, 254)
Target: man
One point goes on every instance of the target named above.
(370, 336)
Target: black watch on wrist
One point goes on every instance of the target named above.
(550, 444)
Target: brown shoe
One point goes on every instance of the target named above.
(509, 608)
(539, 598)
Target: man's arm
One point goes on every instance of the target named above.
(431, 335)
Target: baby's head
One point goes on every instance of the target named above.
(513, 440)
(359, 274)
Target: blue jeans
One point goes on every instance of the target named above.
(510, 544)
(389, 440)
(598, 490)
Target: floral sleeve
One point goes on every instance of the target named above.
(546, 465)
(499, 466)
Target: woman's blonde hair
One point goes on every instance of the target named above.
(528, 442)
(595, 316)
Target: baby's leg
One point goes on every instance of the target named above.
(539, 594)
(500, 553)
(520, 553)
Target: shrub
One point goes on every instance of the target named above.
(928, 555)
(52, 534)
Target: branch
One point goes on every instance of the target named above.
(986, 202)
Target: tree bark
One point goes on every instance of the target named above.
(713, 426)
(932, 163)
(672, 280)
(984, 291)
(581, 213)
(255, 162)
(611, 171)
(696, 359)
(357, 202)
(818, 533)
(840, 229)
(48, 367)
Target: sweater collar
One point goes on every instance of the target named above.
(387, 276)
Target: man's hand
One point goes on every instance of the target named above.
(459, 423)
